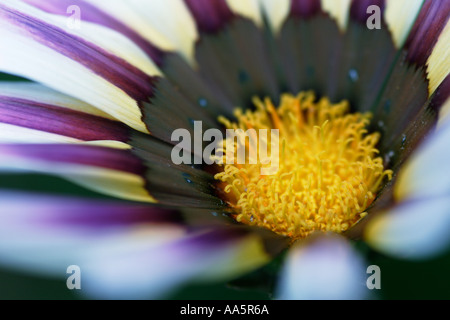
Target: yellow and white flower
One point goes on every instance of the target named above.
(362, 115)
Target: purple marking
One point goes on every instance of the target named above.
(58, 211)
(425, 33)
(57, 120)
(108, 158)
(210, 16)
(221, 235)
(305, 9)
(441, 95)
(358, 9)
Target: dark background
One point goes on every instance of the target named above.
(400, 279)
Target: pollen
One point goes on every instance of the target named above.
(327, 167)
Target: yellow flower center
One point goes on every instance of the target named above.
(328, 171)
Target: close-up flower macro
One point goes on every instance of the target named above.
(224, 149)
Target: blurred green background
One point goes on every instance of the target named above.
(400, 279)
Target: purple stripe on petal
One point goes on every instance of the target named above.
(358, 10)
(49, 211)
(130, 79)
(61, 121)
(112, 215)
(426, 30)
(108, 158)
(220, 236)
(441, 94)
(91, 13)
(305, 8)
(210, 16)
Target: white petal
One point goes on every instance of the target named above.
(413, 230)
(427, 173)
(326, 269)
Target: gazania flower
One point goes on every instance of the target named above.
(359, 103)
